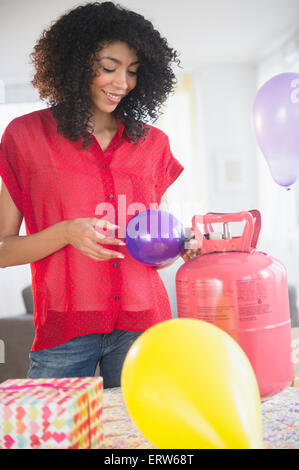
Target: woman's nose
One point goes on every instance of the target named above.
(120, 80)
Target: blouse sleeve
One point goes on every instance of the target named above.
(10, 168)
(167, 171)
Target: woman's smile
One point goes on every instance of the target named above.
(113, 97)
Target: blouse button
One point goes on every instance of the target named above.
(114, 265)
(111, 196)
(104, 166)
(116, 297)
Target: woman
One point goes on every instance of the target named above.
(78, 168)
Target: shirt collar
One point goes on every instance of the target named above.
(121, 128)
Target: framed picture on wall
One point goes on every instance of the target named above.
(231, 170)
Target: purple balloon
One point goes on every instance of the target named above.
(154, 237)
(276, 123)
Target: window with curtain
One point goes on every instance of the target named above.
(177, 121)
(279, 207)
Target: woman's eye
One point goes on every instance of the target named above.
(113, 70)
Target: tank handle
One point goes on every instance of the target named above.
(242, 243)
(257, 225)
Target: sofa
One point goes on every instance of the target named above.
(17, 332)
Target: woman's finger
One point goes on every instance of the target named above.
(107, 252)
(99, 251)
(108, 240)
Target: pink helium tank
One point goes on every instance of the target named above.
(242, 291)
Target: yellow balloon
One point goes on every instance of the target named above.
(188, 385)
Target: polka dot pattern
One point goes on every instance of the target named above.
(51, 179)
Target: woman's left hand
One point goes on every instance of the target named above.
(192, 251)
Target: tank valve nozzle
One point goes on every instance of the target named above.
(226, 234)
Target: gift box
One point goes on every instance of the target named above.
(64, 413)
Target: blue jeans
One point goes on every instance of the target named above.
(79, 357)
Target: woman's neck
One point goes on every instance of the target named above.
(103, 122)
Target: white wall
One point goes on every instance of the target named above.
(21, 23)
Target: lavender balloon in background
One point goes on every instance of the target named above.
(154, 237)
(276, 124)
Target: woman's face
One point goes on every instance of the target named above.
(116, 67)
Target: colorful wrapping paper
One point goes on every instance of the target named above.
(63, 413)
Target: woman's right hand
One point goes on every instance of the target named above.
(81, 233)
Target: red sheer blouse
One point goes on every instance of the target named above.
(51, 179)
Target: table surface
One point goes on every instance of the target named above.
(280, 422)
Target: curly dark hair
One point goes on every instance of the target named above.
(65, 55)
